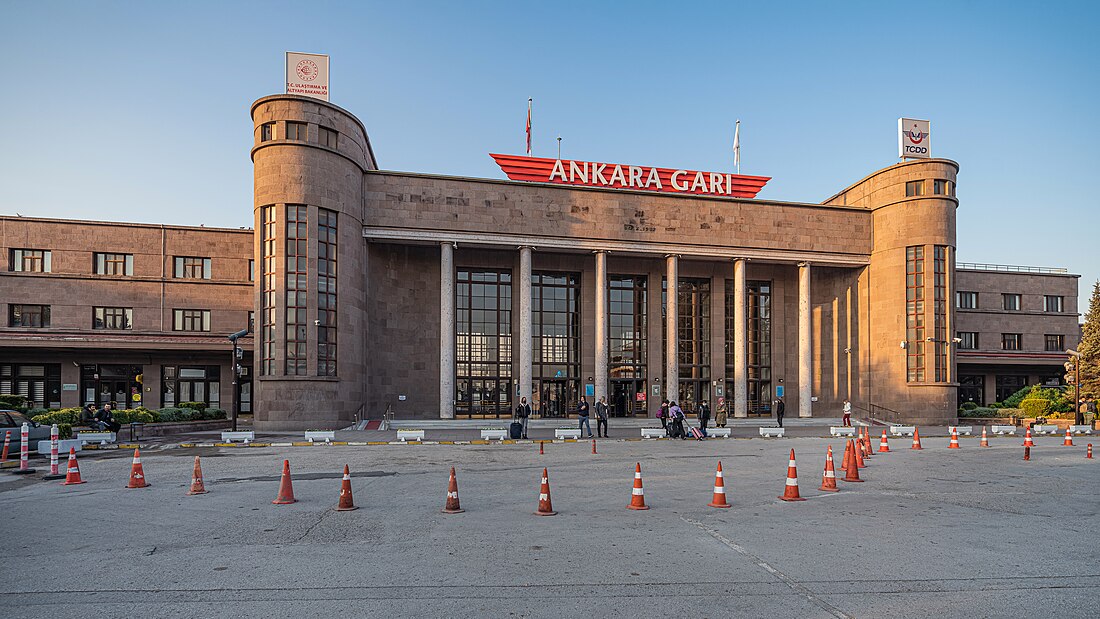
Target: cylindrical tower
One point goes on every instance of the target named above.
(310, 358)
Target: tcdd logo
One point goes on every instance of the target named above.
(916, 136)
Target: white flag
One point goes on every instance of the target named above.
(737, 146)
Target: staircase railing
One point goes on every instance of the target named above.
(881, 413)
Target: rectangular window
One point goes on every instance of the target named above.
(191, 384)
(295, 131)
(1055, 343)
(1011, 302)
(113, 264)
(758, 346)
(942, 187)
(1011, 341)
(914, 188)
(191, 320)
(968, 340)
(251, 322)
(191, 267)
(1053, 303)
(693, 334)
(268, 309)
(966, 300)
(267, 132)
(112, 318)
(31, 316)
(914, 313)
(31, 260)
(483, 343)
(327, 137)
(556, 341)
(297, 240)
(39, 383)
(251, 270)
(326, 292)
(939, 309)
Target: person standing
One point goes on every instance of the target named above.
(601, 417)
(780, 408)
(720, 413)
(523, 412)
(847, 413)
(582, 414)
(662, 414)
(676, 414)
(704, 417)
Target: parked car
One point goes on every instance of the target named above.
(13, 421)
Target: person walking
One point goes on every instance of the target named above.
(704, 417)
(847, 414)
(662, 414)
(676, 415)
(780, 408)
(601, 417)
(720, 414)
(582, 414)
(523, 413)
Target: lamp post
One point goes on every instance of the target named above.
(1078, 418)
(235, 367)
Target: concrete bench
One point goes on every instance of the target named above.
(842, 431)
(720, 432)
(904, 430)
(417, 435)
(321, 435)
(494, 434)
(776, 432)
(1002, 430)
(1081, 429)
(567, 433)
(1044, 429)
(92, 437)
(651, 432)
(244, 437)
(967, 430)
(63, 446)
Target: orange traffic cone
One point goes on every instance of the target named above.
(719, 498)
(546, 508)
(197, 486)
(790, 491)
(541, 451)
(828, 480)
(985, 439)
(847, 455)
(916, 439)
(452, 506)
(868, 451)
(883, 446)
(1069, 440)
(858, 457)
(851, 473)
(1027, 453)
(72, 475)
(954, 444)
(346, 504)
(137, 474)
(593, 446)
(286, 489)
(1027, 439)
(637, 495)
(7, 445)
(1088, 452)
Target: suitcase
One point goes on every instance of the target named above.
(696, 432)
(515, 430)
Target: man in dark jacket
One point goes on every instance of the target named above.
(108, 419)
(523, 413)
(582, 415)
(601, 417)
(780, 408)
(88, 417)
(704, 417)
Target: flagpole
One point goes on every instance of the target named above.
(737, 145)
(529, 101)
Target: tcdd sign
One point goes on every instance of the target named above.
(914, 141)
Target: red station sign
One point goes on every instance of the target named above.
(618, 176)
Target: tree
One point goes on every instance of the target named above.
(1090, 350)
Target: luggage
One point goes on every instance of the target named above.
(515, 430)
(696, 432)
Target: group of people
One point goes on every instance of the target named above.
(102, 419)
(523, 416)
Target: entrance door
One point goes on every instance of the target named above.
(557, 398)
(627, 398)
(692, 393)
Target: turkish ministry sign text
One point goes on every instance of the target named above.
(914, 139)
(307, 74)
(619, 176)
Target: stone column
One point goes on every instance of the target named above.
(524, 293)
(601, 324)
(740, 342)
(446, 331)
(672, 344)
(805, 347)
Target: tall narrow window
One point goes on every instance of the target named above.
(914, 313)
(113, 264)
(326, 292)
(31, 260)
(296, 288)
(939, 309)
(556, 341)
(269, 233)
(267, 132)
(483, 343)
(327, 137)
(693, 334)
(627, 344)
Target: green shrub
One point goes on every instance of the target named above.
(70, 416)
(34, 412)
(134, 415)
(215, 413)
(983, 411)
(15, 402)
(968, 406)
(996, 405)
(64, 431)
(199, 406)
(1035, 407)
(170, 413)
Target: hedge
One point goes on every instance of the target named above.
(16, 402)
(1035, 407)
(968, 406)
(71, 416)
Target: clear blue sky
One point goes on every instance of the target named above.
(139, 111)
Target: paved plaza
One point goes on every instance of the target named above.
(968, 532)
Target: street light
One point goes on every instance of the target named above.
(1078, 418)
(235, 366)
